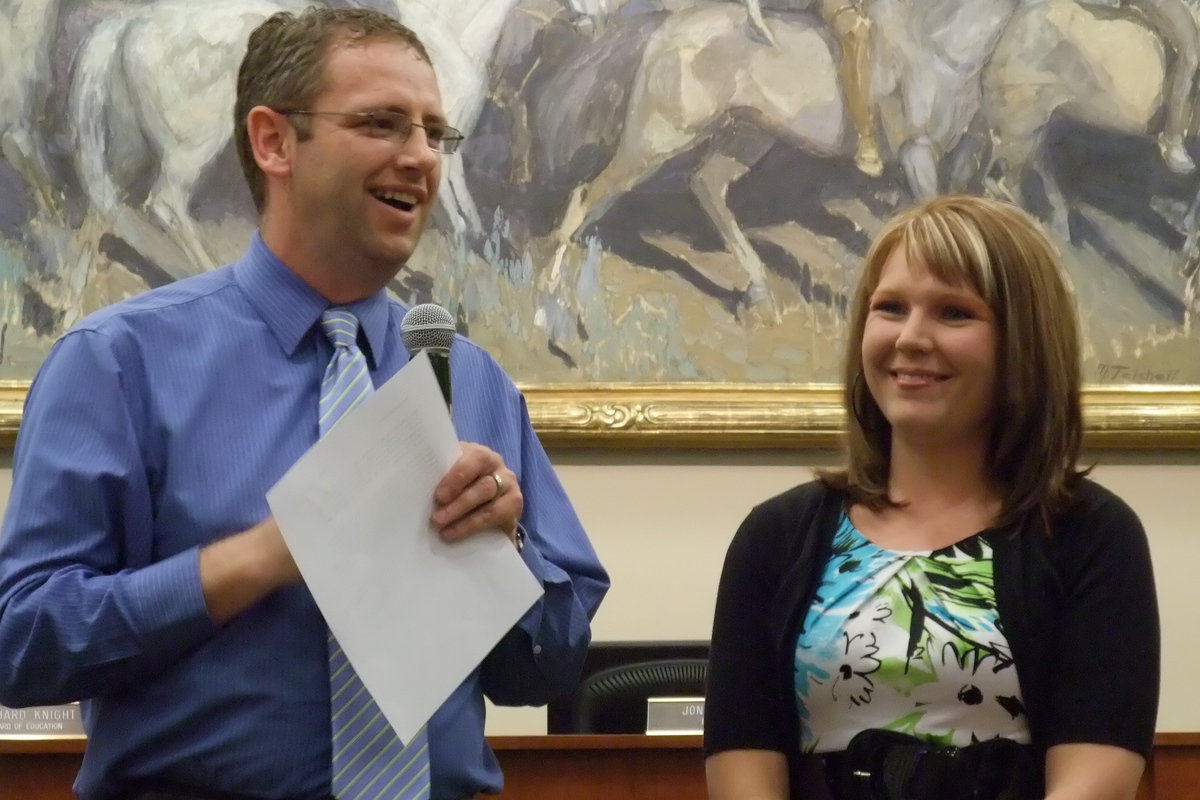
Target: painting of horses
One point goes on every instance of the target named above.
(650, 190)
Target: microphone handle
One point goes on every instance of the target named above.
(439, 359)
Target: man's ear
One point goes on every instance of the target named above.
(272, 139)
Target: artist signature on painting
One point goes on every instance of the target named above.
(1124, 373)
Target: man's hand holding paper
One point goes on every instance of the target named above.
(414, 611)
(478, 493)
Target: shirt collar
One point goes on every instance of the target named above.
(291, 307)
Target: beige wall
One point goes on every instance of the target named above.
(661, 522)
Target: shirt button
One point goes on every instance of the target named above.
(537, 649)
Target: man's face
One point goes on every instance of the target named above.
(362, 198)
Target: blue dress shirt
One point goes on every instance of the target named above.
(155, 427)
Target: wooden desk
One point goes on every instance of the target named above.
(612, 767)
(624, 767)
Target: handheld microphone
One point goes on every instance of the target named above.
(430, 327)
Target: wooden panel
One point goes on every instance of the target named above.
(38, 776)
(619, 767)
(604, 767)
(1176, 773)
(1181, 739)
(596, 774)
(43, 745)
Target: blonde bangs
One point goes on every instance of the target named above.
(953, 249)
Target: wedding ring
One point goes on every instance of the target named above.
(499, 484)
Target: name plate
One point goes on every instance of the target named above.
(674, 715)
(41, 722)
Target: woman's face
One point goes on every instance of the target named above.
(929, 355)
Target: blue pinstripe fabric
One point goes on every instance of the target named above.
(369, 761)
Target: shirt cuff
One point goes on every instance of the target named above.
(169, 599)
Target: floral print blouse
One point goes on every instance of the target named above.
(909, 641)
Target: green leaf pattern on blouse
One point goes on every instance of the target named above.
(909, 641)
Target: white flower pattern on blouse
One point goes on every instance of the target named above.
(852, 682)
(909, 641)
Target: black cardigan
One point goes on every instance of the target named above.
(1078, 609)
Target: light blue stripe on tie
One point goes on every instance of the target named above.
(369, 760)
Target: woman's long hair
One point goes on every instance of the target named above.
(1000, 252)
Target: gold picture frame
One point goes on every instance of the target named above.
(810, 416)
(722, 415)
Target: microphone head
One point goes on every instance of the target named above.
(427, 326)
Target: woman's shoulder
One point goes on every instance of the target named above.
(1094, 503)
(1097, 521)
(782, 521)
(781, 536)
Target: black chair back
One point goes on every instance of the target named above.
(614, 700)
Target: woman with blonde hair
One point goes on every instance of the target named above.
(938, 618)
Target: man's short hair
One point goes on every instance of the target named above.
(284, 67)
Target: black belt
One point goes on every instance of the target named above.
(883, 765)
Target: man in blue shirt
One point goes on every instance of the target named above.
(140, 569)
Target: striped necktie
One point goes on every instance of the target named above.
(369, 761)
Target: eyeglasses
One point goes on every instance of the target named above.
(394, 125)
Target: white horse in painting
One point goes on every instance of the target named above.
(154, 89)
(155, 85)
(26, 29)
(731, 81)
(929, 57)
(1060, 59)
(40, 295)
(700, 71)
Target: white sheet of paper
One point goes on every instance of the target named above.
(414, 614)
